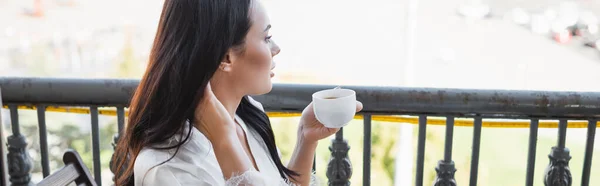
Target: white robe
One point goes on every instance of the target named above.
(196, 164)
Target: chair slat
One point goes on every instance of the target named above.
(73, 171)
(64, 176)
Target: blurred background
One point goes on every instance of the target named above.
(476, 44)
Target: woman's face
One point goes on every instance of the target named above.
(251, 66)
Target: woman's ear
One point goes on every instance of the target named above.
(226, 63)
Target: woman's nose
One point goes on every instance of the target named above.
(275, 49)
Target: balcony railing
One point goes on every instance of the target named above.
(429, 106)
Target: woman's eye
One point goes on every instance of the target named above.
(268, 38)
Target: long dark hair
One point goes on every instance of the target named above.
(193, 37)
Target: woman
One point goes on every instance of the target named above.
(191, 120)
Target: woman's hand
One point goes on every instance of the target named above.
(212, 119)
(311, 130)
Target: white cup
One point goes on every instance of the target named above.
(334, 108)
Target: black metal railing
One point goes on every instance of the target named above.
(426, 103)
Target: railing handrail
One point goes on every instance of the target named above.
(385, 118)
(294, 97)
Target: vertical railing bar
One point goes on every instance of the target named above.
(14, 119)
(120, 119)
(475, 150)
(367, 150)
(120, 124)
(339, 168)
(589, 150)
(558, 172)
(340, 134)
(533, 133)
(41, 114)
(449, 137)
(446, 168)
(96, 145)
(562, 133)
(18, 156)
(421, 150)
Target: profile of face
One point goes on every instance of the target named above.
(249, 68)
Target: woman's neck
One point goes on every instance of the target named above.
(228, 97)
